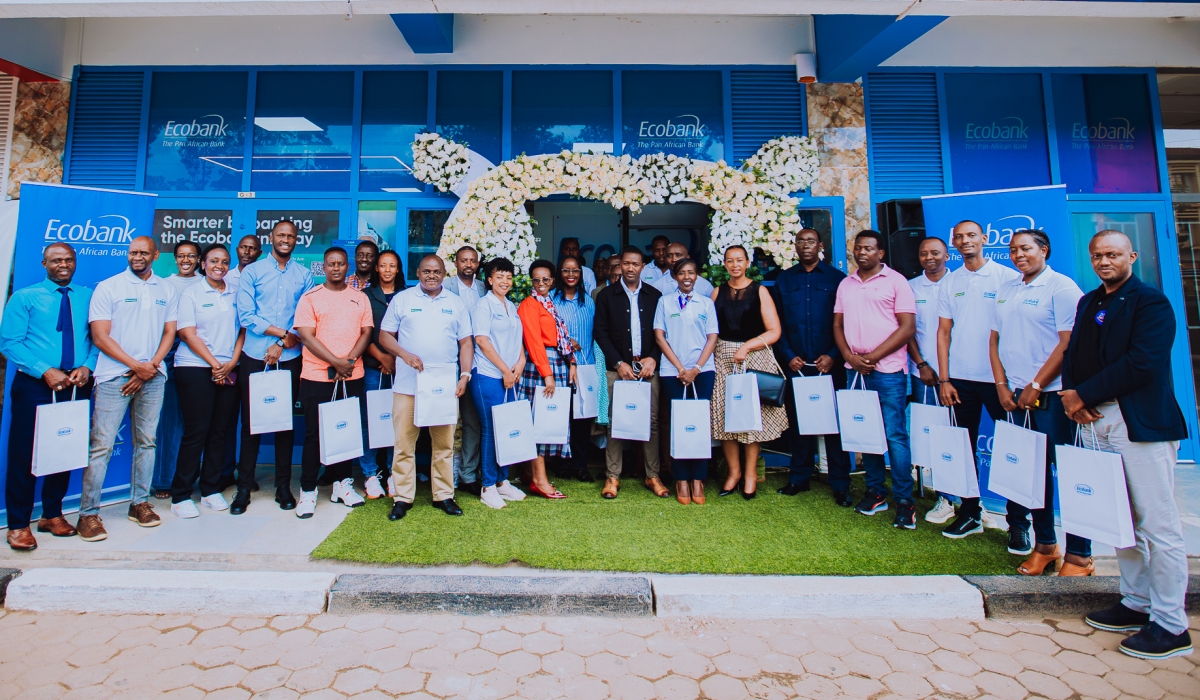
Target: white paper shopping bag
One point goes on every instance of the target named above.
(920, 418)
(953, 460)
(586, 401)
(60, 436)
(552, 417)
(691, 430)
(512, 426)
(380, 431)
(436, 403)
(743, 413)
(1019, 464)
(816, 408)
(631, 410)
(860, 420)
(270, 401)
(340, 427)
(1092, 496)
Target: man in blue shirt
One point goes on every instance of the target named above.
(45, 334)
(268, 292)
(804, 295)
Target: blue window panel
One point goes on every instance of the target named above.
(302, 123)
(1106, 137)
(197, 131)
(904, 135)
(679, 112)
(394, 110)
(767, 104)
(997, 131)
(105, 129)
(555, 111)
(470, 109)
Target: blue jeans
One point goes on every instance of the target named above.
(367, 462)
(485, 393)
(688, 469)
(1051, 420)
(928, 396)
(893, 400)
(108, 412)
(170, 433)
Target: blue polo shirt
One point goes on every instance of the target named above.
(267, 296)
(27, 333)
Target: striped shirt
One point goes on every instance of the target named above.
(579, 314)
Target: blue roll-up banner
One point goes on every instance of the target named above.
(99, 224)
(1001, 213)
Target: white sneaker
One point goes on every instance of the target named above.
(942, 511)
(992, 523)
(491, 498)
(307, 504)
(509, 492)
(373, 489)
(215, 502)
(344, 491)
(391, 487)
(185, 509)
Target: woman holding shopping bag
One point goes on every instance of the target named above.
(685, 325)
(748, 325)
(499, 364)
(1031, 326)
(386, 280)
(578, 310)
(551, 362)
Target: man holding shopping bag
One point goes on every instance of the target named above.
(1117, 379)
(425, 325)
(874, 316)
(43, 322)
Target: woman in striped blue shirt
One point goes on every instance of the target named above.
(578, 311)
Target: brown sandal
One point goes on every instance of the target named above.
(1069, 569)
(1037, 563)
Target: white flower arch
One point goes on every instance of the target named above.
(751, 206)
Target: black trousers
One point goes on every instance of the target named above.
(581, 442)
(206, 409)
(804, 447)
(313, 394)
(284, 440)
(974, 397)
(25, 394)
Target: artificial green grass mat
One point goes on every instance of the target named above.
(771, 534)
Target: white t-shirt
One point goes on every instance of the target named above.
(967, 299)
(1029, 318)
(925, 292)
(214, 316)
(429, 328)
(497, 321)
(687, 330)
(667, 284)
(138, 310)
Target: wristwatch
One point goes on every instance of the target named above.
(922, 365)
(1035, 385)
(279, 342)
(465, 374)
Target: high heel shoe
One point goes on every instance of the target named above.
(726, 490)
(554, 495)
(750, 495)
(1069, 569)
(683, 493)
(1037, 563)
(698, 492)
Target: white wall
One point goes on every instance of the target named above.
(49, 46)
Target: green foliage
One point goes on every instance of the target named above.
(522, 287)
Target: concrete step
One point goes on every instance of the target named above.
(776, 597)
(622, 596)
(1049, 596)
(160, 591)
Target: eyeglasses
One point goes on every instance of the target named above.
(542, 281)
(808, 244)
(186, 256)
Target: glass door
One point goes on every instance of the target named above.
(319, 224)
(419, 225)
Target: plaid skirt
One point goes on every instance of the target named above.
(774, 418)
(531, 382)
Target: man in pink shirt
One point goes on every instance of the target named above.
(874, 316)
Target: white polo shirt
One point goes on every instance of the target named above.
(429, 328)
(214, 316)
(470, 297)
(687, 329)
(967, 299)
(498, 321)
(232, 277)
(667, 284)
(1029, 318)
(925, 291)
(138, 310)
(651, 273)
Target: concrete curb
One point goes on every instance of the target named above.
(1026, 596)
(621, 596)
(6, 577)
(157, 592)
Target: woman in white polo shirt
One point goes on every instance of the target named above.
(211, 344)
(1031, 326)
(685, 326)
(499, 362)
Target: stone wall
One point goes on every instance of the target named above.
(39, 134)
(837, 121)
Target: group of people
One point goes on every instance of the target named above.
(1023, 343)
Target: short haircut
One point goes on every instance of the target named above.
(569, 239)
(934, 238)
(366, 243)
(870, 233)
(193, 244)
(1111, 232)
(538, 264)
(58, 244)
(210, 248)
(496, 265)
(658, 238)
(632, 249)
(336, 250)
(464, 249)
(250, 236)
(678, 267)
(809, 230)
(737, 247)
(399, 269)
(967, 221)
(1039, 237)
(289, 222)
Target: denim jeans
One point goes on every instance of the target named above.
(108, 412)
(170, 433)
(672, 388)
(804, 447)
(973, 398)
(893, 400)
(487, 392)
(1052, 421)
(928, 396)
(367, 463)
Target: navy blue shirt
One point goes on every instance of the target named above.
(805, 303)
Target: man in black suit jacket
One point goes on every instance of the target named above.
(614, 331)
(1116, 377)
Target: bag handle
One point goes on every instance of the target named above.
(812, 364)
(953, 418)
(391, 382)
(54, 394)
(1079, 437)
(695, 392)
(345, 393)
(513, 389)
(1026, 423)
(858, 378)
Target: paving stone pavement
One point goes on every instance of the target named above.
(59, 655)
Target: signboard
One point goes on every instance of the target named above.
(997, 131)
(99, 224)
(1105, 133)
(673, 112)
(196, 132)
(200, 226)
(316, 231)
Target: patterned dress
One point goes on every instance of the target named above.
(739, 314)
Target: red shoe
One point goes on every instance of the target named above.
(556, 495)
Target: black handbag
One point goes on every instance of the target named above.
(770, 387)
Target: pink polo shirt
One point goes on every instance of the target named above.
(869, 314)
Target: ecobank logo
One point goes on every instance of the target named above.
(1004, 129)
(683, 126)
(210, 126)
(1115, 129)
(1000, 232)
(111, 229)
